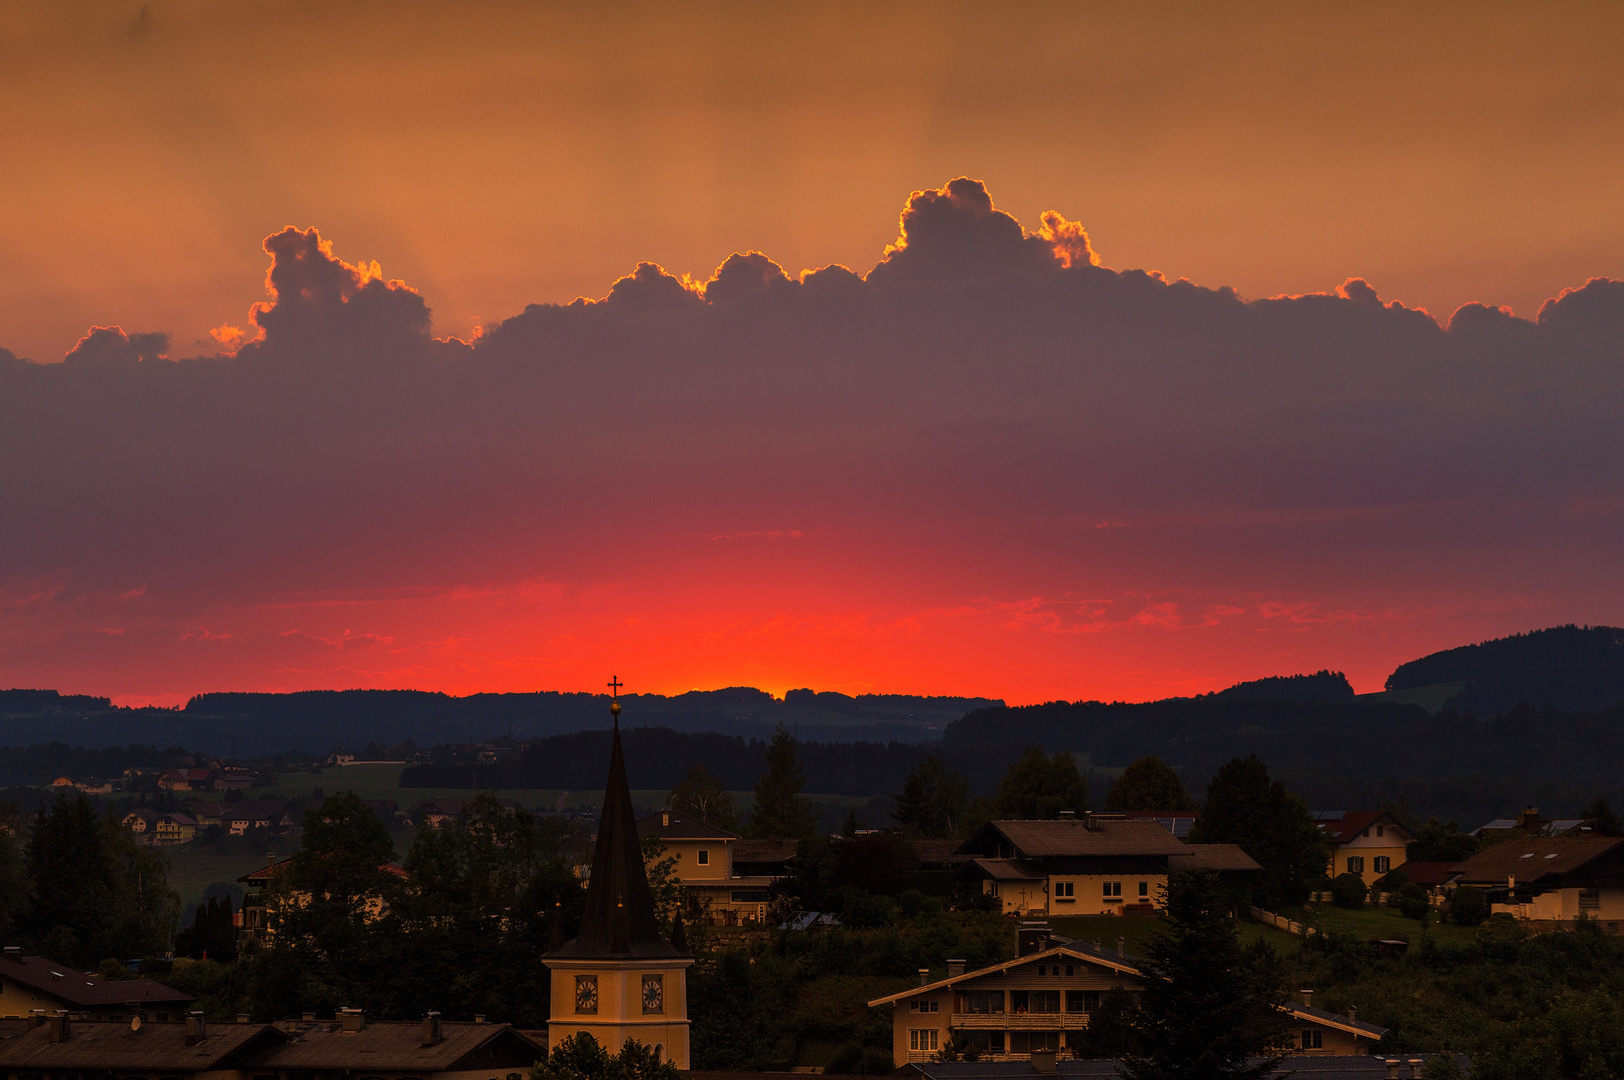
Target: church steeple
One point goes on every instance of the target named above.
(619, 919)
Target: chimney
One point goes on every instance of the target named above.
(244, 1018)
(479, 1018)
(924, 976)
(431, 1029)
(1043, 1062)
(59, 1026)
(955, 968)
(194, 1028)
(1031, 937)
(1392, 1068)
(1091, 822)
(1308, 999)
(1122, 943)
(1068, 815)
(1529, 818)
(38, 1016)
(353, 1020)
(309, 1018)
(1353, 1013)
(14, 952)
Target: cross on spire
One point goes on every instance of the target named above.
(614, 685)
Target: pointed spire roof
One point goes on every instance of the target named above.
(619, 918)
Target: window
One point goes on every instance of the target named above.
(1379, 830)
(1313, 1039)
(1044, 1001)
(1065, 890)
(1068, 971)
(980, 1001)
(704, 857)
(988, 1042)
(1110, 889)
(1383, 864)
(1144, 889)
(1356, 864)
(1020, 1001)
(749, 896)
(1082, 1001)
(1024, 1042)
(923, 1039)
(923, 1005)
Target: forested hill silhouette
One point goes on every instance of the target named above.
(1320, 686)
(1564, 667)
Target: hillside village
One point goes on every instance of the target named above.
(958, 936)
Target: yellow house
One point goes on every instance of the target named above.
(705, 868)
(619, 979)
(1552, 881)
(1367, 842)
(1041, 1003)
(174, 829)
(1096, 864)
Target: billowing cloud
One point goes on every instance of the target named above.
(985, 416)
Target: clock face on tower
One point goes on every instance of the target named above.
(586, 993)
(653, 993)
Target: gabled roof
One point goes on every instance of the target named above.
(85, 991)
(1076, 950)
(1005, 870)
(1428, 873)
(1530, 858)
(1219, 858)
(752, 849)
(390, 1046)
(671, 825)
(1351, 825)
(937, 851)
(1127, 965)
(1077, 836)
(104, 1046)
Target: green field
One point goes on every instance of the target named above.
(1374, 922)
(1138, 930)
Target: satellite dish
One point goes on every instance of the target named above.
(135, 1023)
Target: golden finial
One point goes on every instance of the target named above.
(614, 692)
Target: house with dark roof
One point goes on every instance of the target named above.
(705, 867)
(1369, 843)
(1095, 864)
(1038, 1005)
(1552, 881)
(59, 1047)
(30, 984)
(1361, 1067)
(62, 1047)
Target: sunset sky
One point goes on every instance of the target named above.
(1034, 428)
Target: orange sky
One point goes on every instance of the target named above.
(497, 155)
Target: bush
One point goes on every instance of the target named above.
(1414, 908)
(1411, 891)
(1349, 891)
(854, 1060)
(876, 1063)
(1468, 907)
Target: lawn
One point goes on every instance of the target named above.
(1138, 930)
(1378, 922)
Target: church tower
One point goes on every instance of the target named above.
(619, 979)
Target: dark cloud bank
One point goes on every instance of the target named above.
(978, 382)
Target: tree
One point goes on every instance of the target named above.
(1267, 822)
(702, 796)
(1148, 784)
(1038, 787)
(1207, 1005)
(779, 810)
(933, 800)
(1604, 818)
(96, 893)
(1437, 841)
(579, 1057)
(14, 890)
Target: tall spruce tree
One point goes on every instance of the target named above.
(933, 800)
(1208, 1008)
(779, 809)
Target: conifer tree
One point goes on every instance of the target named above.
(1148, 784)
(779, 809)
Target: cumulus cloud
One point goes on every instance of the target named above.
(967, 416)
